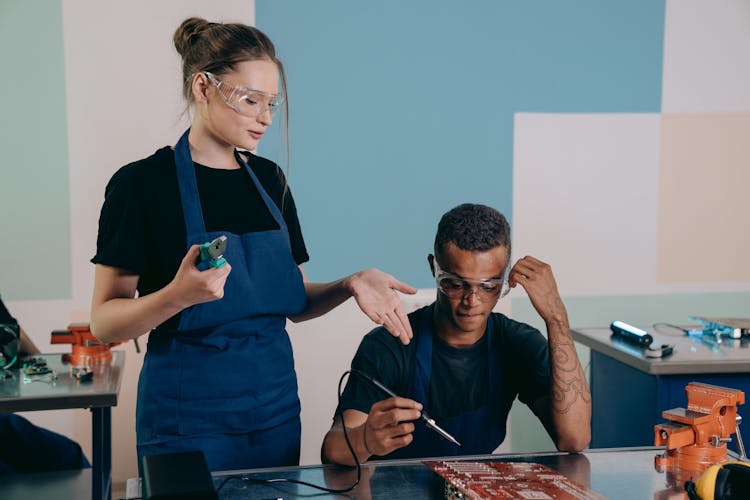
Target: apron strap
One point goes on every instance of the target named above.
(190, 197)
(423, 368)
(267, 199)
(188, 184)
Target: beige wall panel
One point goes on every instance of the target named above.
(704, 194)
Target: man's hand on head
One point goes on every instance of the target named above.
(537, 279)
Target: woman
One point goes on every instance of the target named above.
(219, 372)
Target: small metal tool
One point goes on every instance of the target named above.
(719, 330)
(428, 421)
(213, 252)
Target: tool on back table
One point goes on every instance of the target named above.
(428, 421)
(733, 328)
(640, 338)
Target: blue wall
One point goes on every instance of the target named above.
(402, 110)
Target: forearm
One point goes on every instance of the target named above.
(121, 319)
(322, 297)
(26, 345)
(570, 399)
(336, 451)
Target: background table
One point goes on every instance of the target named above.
(629, 391)
(64, 393)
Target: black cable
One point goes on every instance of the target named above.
(305, 483)
(682, 330)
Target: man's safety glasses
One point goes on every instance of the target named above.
(247, 102)
(457, 287)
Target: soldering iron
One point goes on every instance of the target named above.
(428, 421)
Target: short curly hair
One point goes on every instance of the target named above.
(473, 227)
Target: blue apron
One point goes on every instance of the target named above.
(479, 431)
(27, 448)
(228, 369)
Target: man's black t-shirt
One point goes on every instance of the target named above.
(459, 381)
(142, 226)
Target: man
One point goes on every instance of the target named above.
(466, 364)
(26, 346)
(24, 447)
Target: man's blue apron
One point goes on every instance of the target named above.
(228, 370)
(479, 431)
(27, 448)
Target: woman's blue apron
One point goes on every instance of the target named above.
(479, 431)
(228, 369)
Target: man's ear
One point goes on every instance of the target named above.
(430, 261)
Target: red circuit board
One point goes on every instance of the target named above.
(499, 480)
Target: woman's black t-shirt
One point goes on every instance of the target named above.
(142, 226)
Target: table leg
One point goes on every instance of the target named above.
(102, 460)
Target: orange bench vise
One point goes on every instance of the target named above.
(696, 437)
(87, 349)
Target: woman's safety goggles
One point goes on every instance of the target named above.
(247, 102)
(458, 287)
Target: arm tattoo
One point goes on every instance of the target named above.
(568, 381)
